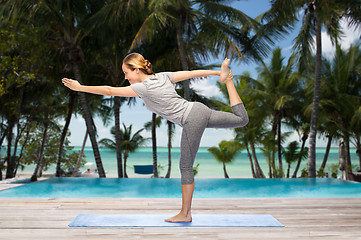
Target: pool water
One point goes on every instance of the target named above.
(170, 188)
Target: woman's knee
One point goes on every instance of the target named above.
(240, 111)
(243, 121)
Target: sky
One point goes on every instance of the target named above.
(138, 115)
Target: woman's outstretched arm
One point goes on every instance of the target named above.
(101, 90)
(184, 75)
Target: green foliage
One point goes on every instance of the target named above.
(148, 125)
(195, 169)
(321, 173)
(293, 154)
(129, 141)
(226, 151)
(333, 169)
(160, 167)
(32, 148)
(19, 54)
(304, 173)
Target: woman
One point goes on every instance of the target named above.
(159, 96)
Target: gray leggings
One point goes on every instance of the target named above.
(200, 118)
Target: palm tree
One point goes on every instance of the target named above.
(46, 108)
(279, 85)
(317, 14)
(71, 15)
(202, 29)
(342, 97)
(327, 126)
(12, 109)
(247, 136)
(129, 142)
(80, 157)
(46, 124)
(348, 67)
(113, 39)
(304, 130)
(225, 153)
(355, 125)
(269, 149)
(292, 154)
(66, 22)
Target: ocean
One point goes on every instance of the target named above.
(208, 166)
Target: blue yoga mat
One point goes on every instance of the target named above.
(199, 220)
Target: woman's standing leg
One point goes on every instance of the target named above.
(192, 133)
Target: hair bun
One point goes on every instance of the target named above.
(148, 66)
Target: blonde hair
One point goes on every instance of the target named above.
(136, 60)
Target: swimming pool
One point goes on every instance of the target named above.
(170, 188)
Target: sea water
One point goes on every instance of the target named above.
(208, 166)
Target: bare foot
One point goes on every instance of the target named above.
(179, 218)
(225, 71)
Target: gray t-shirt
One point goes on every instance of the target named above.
(159, 96)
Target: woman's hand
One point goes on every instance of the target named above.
(72, 84)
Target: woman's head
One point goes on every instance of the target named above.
(135, 64)
(136, 60)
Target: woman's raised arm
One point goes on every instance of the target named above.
(101, 90)
(184, 75)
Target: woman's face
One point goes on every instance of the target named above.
(131, 75)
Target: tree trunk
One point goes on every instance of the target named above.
(2, 139)
(323, 165)
(288, 170)
(1, 144)
(273, 164)
(125, 164)
(118, 137)
(358, 151)
(270, 164)
(17, 139)
(225, 171)
(40, 172)
(64, 132)
(14, 160)
(89, 124)
(76, 169)
(183, 58)
(34, 177)
(348, 169)
(154, 146)
(304, 138)
(26, 138)
(9, 159)
(170, 125)
(279, 145)
(251, 162)
(274, 131)
(259, 171)
(13, 120)
(315, 105)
